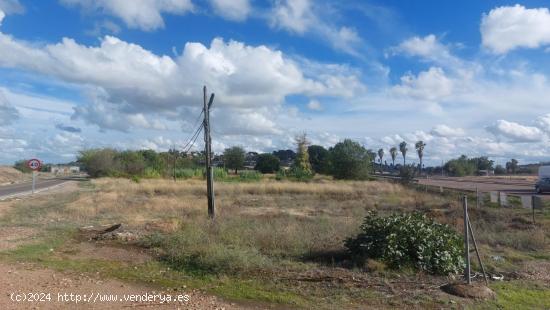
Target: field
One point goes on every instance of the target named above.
(274, 244)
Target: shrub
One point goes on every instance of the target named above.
(267, 163)
(408, 240)
(350, 161)
(250, 175)
(407, 173)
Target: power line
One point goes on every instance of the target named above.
(191, 142)
(190, 137)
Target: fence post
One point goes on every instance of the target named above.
(533, 201)
(477, 197)
(466, 240)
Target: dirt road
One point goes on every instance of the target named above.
(484, 184)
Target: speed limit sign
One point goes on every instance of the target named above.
(34, 164)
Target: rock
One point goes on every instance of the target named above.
(474, 290)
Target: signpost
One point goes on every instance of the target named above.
(35, 165)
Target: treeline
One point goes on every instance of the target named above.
(464, 166)
(142, 163)
(345, 160)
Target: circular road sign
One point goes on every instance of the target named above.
(34, 164)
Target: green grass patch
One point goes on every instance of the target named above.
(521, 295)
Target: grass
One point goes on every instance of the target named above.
(267, 238)
(521, 295)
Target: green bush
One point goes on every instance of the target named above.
(250, 175)
(151, 173)
(408, 240)
(267, 163)
(407, 173)
(219, 173)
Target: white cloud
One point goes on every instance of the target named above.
(2, 15)
(142, 14)
(303, 17)
(295, 16)
(543, 122)
(428, 48)
(509, 27)
(431, 85)
(446, 131)
(314, 105)
(235, 10)
(8, 114)
(128, 86)
(11, 7)
(516, 132)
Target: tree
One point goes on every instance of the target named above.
(318, 157)
(267, 163)
(513, 165)
(99, 162)
(302, 156)
(393, 153)
(403, 149)
(350, 160)
(233, 158)
(499, 170)
(285, 155)
(380, 155)
(420, 145)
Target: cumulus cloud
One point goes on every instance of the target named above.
(427, 85)
(141, 14)
(509, 27)
(428, 48)
(543, 122)
(235, 10)
(446, 131)
(129, 86)
(8, 114)
(516, 132)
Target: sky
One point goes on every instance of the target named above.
(471, 78)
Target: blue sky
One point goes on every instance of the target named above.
(466, 79)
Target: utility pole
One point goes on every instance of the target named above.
(208, 154)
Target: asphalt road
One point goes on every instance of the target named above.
(8, 190)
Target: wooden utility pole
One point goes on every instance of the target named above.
(208, 154)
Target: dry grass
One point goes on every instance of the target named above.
(272, 229)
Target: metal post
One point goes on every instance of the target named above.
(533, 199)
(477, 197)
(33, 180)
(466, 240)
(208, 154)
(477, 252)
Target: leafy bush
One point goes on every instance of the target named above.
(350, 161)
(294, 174)
(250, 175)
(407, 173)
(408, 240)
(267, 163)
(151, 173)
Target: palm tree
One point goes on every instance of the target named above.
(403, 149)
(393, 153)
(420, 150)
(381, 155)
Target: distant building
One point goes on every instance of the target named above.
(64, 170)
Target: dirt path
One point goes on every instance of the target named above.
(26, 286)
(53, 291)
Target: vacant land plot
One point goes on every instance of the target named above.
(273, 244)
(511, 185)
